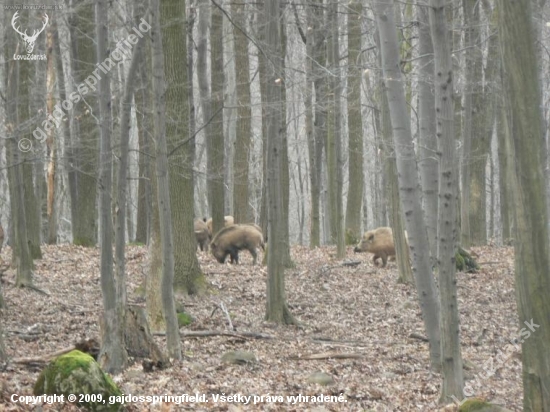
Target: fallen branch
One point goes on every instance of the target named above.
(418, 336)
(328, 355)
(42, 359)
(207, 333)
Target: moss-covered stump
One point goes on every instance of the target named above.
(78, 373)
(479, 405)
(465, 262)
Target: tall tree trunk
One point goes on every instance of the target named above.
(314, 239)
(163, 179)
(215, 141)
(451, 358)
(143, 114)
(30, 102)
(202, 77)
(241, 202)
(85, 136)
(113, 356)
(408, 177)
(396, 215)
(355, 125)
(320, 111)
(181, 147)
(334, 137)
(52, 59)
(276, 307)
(532, 261)
(22, 259)
(285, 167)
(428, 163)
(504, 170)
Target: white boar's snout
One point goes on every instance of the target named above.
(378, 241)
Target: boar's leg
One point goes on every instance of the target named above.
(384, 257)
(234, 256)
(252, 251)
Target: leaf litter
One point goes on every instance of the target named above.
(359, 329)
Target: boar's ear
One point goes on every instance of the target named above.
(204, 219)
(371, 237)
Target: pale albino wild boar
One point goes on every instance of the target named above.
(201, 234)
(378, 241)
(231, 239)
(228, 221)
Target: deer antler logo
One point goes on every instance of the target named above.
(29, 40)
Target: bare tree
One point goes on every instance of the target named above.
(82, 156)
(241, 206)
(181, 149)
(163, 179)
(113, 356)
(334, 137)
(355, 125)
(21, 256)
(215, 139)
(408, 176)
(532, 261)
(276, 308)
(447, 231)
(428, 162)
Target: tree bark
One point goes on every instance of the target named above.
(334, 137)
(215, 140)
(428, 162)
(163, 182)
(532, 262)
(241, 203)
(355, 125)
(21, 257)
(85, 135)
(447, 230)
(113, 356)
(408, 177)
(181, 148)
(276, 307)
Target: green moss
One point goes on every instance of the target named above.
(465, 261)
(78, 373)
(184, 319)
(459, 262)
(472, 405)
(83, 242)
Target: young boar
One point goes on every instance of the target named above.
(228, 221)
(378, 241)
(231, 239)
(201, 234)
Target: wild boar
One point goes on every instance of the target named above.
(378, 241)
(228, 222)
(201, 234)
(258, 228)
(231, 239)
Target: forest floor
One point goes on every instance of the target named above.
(357, 324)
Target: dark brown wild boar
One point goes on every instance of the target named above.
(228, 221)
(201, 234)
(378, 241)
(231, 239)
